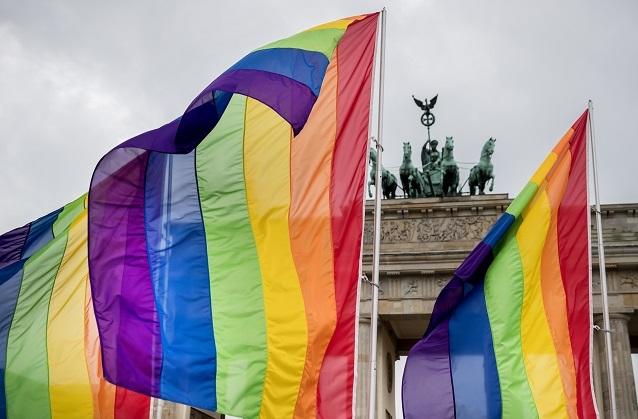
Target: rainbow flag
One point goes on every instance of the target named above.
(225, 246)
(50, 362)
(510, 334)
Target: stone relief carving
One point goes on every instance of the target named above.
(626, 280)
(411, 288)
(431, 229)
(368, 231)
(397, 231)
(595, 284)
(453, 228)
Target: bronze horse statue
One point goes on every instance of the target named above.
(482, 172)
(449, 169)
(388, 180)
(412, 181)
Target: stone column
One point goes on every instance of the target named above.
(623, 371)
(598, 359)
(170, 410)
(386, 383)
(363, 369)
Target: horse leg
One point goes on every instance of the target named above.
(392, 188)
(492, 184)
(447, 190)
(472, 182)
(451, 183)
(445, 186)
(405, 185)
(472, 187)
(455, 183)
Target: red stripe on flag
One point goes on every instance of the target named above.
(131, 405)
(355, 60)
(573, 248)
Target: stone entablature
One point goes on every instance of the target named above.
(423, 238)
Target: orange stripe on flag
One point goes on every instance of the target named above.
(310, 233)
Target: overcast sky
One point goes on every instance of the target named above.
(78, 77)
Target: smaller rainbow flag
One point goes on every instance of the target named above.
(50, 357)
(510, 334)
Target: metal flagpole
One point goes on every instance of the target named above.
(601, 266)
(377, 230)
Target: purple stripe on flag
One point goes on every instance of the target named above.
(161, 139)
(427, 370)
(183, 134)
(11, 244)
(289, 98)
(471, 271)
(427, 380)
(120, 277)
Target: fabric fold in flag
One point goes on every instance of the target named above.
(224, 246)
(510, 334)
(50, 363)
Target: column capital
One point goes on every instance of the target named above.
(598, 318)
(365, 319)
(620, 316)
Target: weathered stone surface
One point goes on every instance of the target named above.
(626, 406)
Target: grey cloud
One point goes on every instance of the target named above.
(76, 78)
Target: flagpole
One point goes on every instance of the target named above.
(377, 229)
(157, 408)
(602, 269)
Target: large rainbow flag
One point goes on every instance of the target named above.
(225, 246)
(510, 334)
(50, 362)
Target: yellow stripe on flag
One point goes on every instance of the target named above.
(267, 171)
(69, 384)
(539, 354)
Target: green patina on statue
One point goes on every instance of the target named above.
(438, 175)
(411, 179)
(484, 170)
(388, 180)
(430, 155)
(449, 169)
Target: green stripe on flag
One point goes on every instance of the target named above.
(322, 40)
(236, 289)
(519, 203)
(504, 287)
(27, 374)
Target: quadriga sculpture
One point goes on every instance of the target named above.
(483, 171)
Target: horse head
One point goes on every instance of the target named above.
(488, 148)
(373, 156)
(449, 143)
(407, 151)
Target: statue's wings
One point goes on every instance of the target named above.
(433, 102)
(419, 103)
